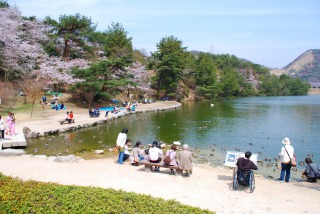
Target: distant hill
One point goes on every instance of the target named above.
(306, 67)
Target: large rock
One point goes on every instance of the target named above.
(99, 151)
(69, 158)
(12, 152)
(26, 130)
(34, 134)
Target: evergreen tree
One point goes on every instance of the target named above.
(206, 76)
(73, 29)
(169, 63)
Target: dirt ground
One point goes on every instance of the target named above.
(208, 187)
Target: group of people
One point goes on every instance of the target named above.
(154, 154)
(311, 172)
(8, 126)
(69, 117)
(130, 106)
(94, 112)
(183, 159)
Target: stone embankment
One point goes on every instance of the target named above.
(85, 121)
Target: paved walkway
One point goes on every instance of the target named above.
(13, 141)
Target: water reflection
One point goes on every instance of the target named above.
(257, 124)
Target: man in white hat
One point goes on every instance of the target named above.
(286, 153)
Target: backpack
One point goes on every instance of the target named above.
(167, 159)
(242, 178)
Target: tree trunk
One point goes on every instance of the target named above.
(66, 50)
(33, 101)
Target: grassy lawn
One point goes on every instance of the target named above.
(17, 196)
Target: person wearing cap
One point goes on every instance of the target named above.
(185, 160)
(155, 153)
(285, 154)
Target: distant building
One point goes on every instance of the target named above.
(315, 84)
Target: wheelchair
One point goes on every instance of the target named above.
(248, 177)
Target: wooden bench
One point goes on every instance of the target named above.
(65, 121)
(148, 166)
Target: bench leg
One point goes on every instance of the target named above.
(147, 168)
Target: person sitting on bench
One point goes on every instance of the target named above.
(71, 117)
(185, 160)
(90, 112)
(155, 154)
(67, 117)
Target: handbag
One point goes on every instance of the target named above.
(167, 159)
(121, 149)
(292, 159)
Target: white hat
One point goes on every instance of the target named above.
(286, 141)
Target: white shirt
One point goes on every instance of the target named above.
(2, 125)
(155, 153)
(121, 140)
(126, 150)
(284, 155)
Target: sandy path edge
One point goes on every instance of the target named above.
(208, 187)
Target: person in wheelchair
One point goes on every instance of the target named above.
(245, 165)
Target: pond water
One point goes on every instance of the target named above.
(257, 124)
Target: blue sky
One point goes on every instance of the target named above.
(268, 32)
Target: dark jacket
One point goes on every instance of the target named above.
(246, 164)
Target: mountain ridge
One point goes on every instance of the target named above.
(305, 67)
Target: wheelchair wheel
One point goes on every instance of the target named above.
(235, 181)
(252, 184)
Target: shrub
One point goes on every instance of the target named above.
(17, 196)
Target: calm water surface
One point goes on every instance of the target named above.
(257, 124)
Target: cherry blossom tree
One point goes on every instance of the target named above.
(54, 70)
(20, 43)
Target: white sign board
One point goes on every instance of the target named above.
(232, 158)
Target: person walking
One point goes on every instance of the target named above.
(286, 154)
(9, 124)
(13, 125)
(44, 99)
